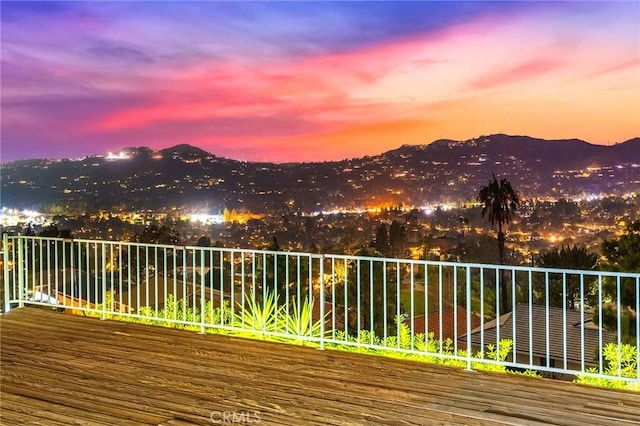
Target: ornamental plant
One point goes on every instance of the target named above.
(620, 361)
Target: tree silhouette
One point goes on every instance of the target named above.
(158, 234)
(500, 201)
(274, 246)
(204, 241)
(622, 254)
(142, 258)
(67, 250)
(390, 240)
(381, 243)
(464, 222)
(371, 298)
(55, 232)
(564, 258)
(397, 239)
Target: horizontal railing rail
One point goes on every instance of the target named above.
(558, 322)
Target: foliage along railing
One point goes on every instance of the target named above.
(558, 322)
(296, 327)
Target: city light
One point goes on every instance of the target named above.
(119, 156)
(207, 219)
(15, 217)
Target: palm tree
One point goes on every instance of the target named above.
(500, 203)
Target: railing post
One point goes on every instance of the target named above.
(322, 331)
(21, 271)
(468, 314)
(103, 253)
(638, 322)
(202, 313)
(5, 271)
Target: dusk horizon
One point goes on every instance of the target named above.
(291, 82)
(123, 149)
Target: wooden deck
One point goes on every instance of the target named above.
(62, 369)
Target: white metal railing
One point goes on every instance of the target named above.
(554, 321)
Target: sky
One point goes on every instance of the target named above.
(312, 81)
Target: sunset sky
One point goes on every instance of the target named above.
(312, 81)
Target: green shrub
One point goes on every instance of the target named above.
(619, 361)
(257, 317)
(431, 347)
(218, 315)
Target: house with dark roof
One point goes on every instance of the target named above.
(546, 336)
(73, 302)
(448, 323)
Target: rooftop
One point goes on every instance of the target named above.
(65, 369)
(579, 333)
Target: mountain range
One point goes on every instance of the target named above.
(445, 170)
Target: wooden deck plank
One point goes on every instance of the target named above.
(330, 397)
(112, 396)
(250, 359)
(219, 350)
(466, 403)
(248, 363)
(75, 403)
(43, 412)
(24, 413)
(154, 375)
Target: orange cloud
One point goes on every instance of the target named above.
(413, 90)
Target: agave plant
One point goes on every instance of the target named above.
(300, 321)
(259, 316)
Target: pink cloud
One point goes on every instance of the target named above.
(529, 70)
(312, 87)
(620, 66)
(410, 91)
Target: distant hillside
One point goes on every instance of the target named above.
(443, 171)
(628, 149)
(185, 151)
(550, 153)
